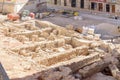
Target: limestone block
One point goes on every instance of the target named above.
(104, 46)
(41, 39)
(60, 43)
(111, 47)
(57, 74)
(115, 71)
(47, 30)
(94, 45)
(54, 76)
(50, 44)
(100, 76)
(26, 65)
(90, 31)
(83, 50)
(89, 37)
(97, 36)
(55, 32)
(69, 27)
(34, 38)
(24, 53)
(51, 37)
(50, 74)
(69, 77)
(37, 49)
(65, 70)
(44, 34)
(68, 40)
(60, 57)
(62, 31)
(67, 47)
(93, 68)
(82, 61)
(80, 42)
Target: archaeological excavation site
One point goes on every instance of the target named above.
(40, 50)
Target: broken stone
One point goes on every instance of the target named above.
(51, 37)
(90, 31)
(79, 30)
(65, 70)
(97, 36)
(115, 71)
(44, 34)
(111, 47)
(69, 27)
(89, 37)
(80, 42)
(93, 68)
(100, 76)
(34, 38)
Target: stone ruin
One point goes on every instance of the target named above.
(61, 53)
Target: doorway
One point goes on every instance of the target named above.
(55, 2)
(82, 4)
(93, 5)
(65, 3)
(100, 6)
(107, 8)
(113, 8)
(73, 3)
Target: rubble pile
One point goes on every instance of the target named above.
(60, 53)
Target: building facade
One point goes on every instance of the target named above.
(15, 6)
(111, 6)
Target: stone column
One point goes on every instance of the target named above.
(52, 2)
(104, 7)
(87, 4)
(78, 3)
(62, 2)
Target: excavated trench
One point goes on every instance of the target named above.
(55, 47)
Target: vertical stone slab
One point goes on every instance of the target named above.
(3, 75)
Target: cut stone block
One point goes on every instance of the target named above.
(67, 55)
(93, 68)
(79, 62)
(80, 42)
(115, 71)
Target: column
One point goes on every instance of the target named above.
(69, 3)
(78, 3)
(62, 2)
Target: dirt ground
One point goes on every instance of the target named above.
(63, 21)
(103, 25)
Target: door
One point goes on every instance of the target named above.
(93, 5)
(100, 6)
(107, 8)
(65, 3)
(55, 2)
(73, 3)
(82, 4)
(113, 8)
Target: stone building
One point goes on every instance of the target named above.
(14, 6)
(111, 6)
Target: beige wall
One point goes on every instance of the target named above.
(88, 4)
(15, 6)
